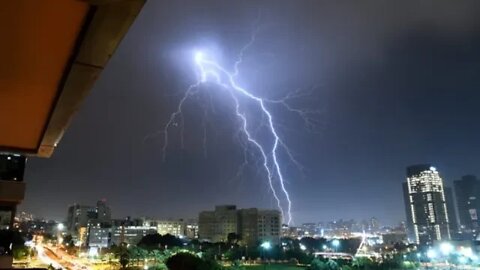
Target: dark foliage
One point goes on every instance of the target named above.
(184, 261)
(155, 241)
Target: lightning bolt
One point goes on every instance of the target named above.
(212, 72)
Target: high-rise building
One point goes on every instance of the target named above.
(269, 226)
(252, 225)
(104, 214)
(81, 216)
(452, 212)
(467, 191)
(78, 216)
(427, 215)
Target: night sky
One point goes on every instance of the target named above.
(393, 84)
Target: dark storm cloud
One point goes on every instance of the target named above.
(396, 82)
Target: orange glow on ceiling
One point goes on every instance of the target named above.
(38, 38)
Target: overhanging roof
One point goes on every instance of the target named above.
(51, 54)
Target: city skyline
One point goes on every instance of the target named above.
(380, 111)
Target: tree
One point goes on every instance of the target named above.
(299, 254)
(350, 245)
(210, 265)
(122, 254)
(237, 265)
(124, 260)
(20, 252)
(150, 241)
(332, 265)
(365, 263)
(184, 261)
(234, 253)
(11, 239)
(157, 256)
(137, 254)
(155, 241)
(232, 238)
(311, 243)
(68, 241)
(317, 264)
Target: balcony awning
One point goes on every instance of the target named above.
(51, 54)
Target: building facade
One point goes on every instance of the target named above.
(99, 237)
(130, 235)
(216, 225)
(191, 229)
(79, 216)
(172, 227)
(269, 226)
(467, 191)
(83, 216)
(251, 225)
(103, 213)
(426, 209)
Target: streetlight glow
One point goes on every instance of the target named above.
(431, 254)
(446, 248)
(467, 252)
(335, 242)
(266, 245)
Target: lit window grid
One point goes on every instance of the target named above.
(426, 181)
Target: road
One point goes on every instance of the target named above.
(59, 259)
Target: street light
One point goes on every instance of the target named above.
(335, 244)
(60, 228)
(446, 248)
(431, 254)
(265, 246)
(467, 252)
